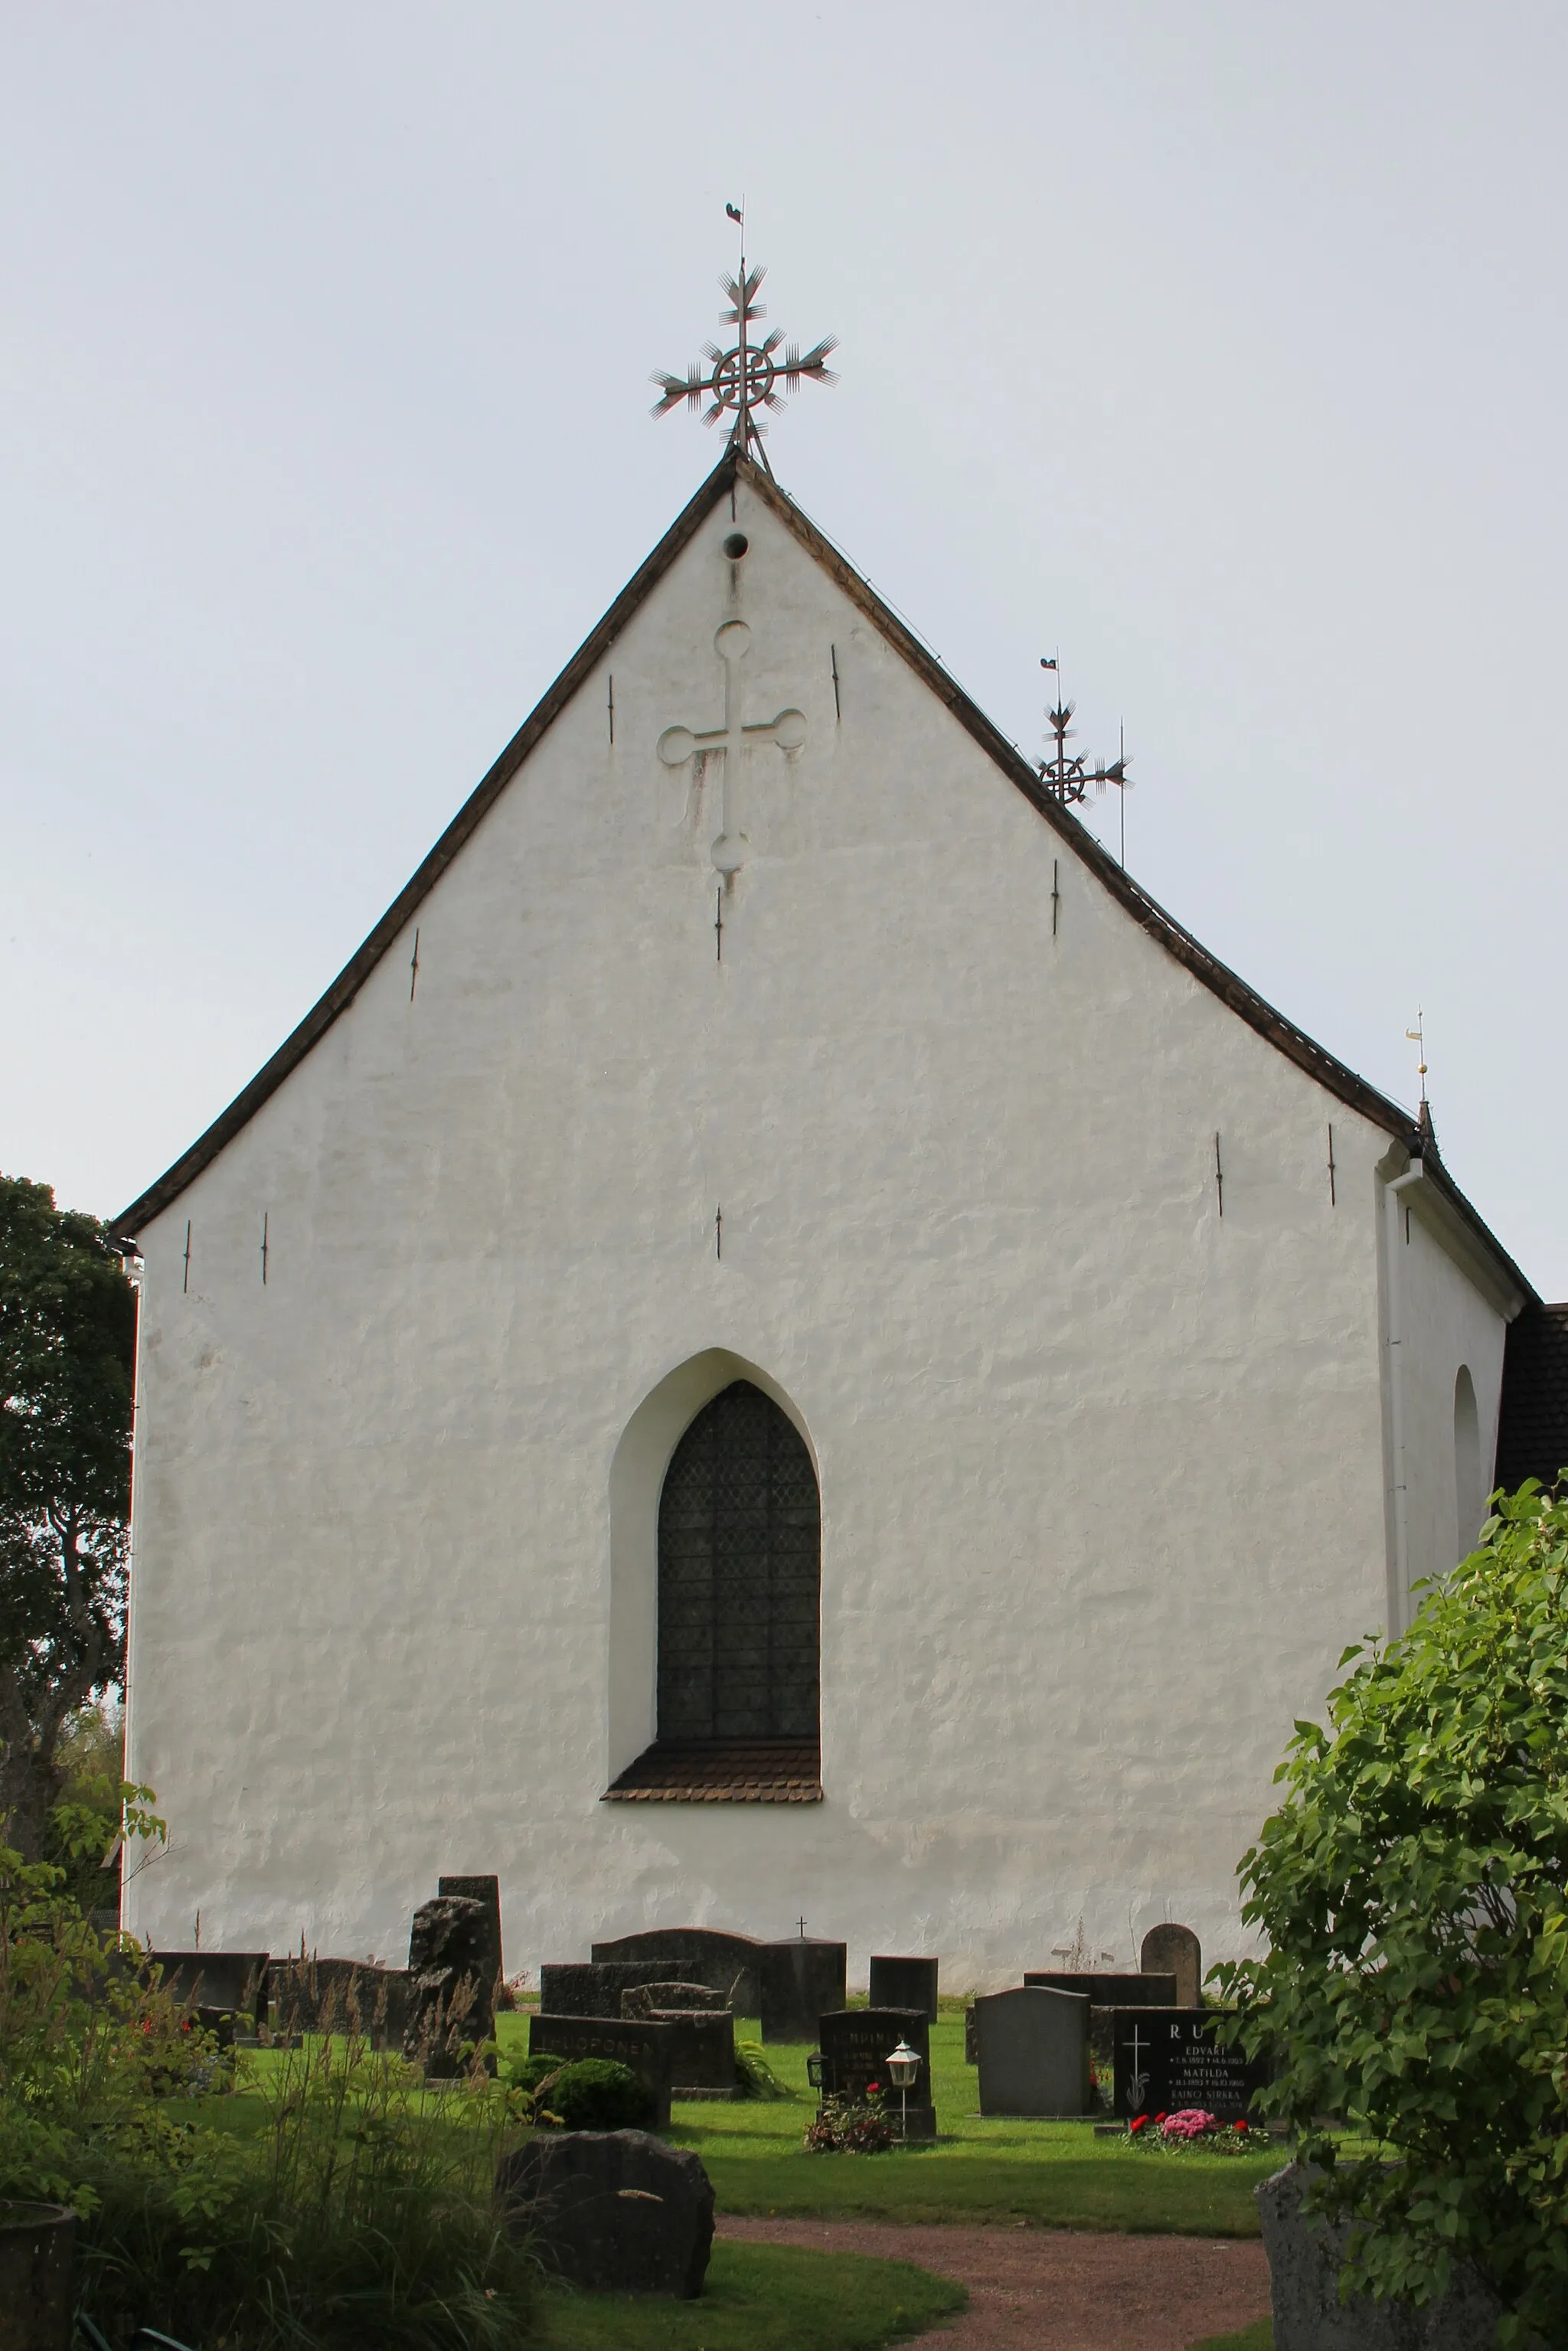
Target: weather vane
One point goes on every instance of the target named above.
(1070, 780)
(1417, 1037)
(747, 377)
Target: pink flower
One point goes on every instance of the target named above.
(1191, 2122)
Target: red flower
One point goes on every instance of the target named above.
(1159, 2119)
(1240, 2126)
(873, 2089)
(1137, 2124)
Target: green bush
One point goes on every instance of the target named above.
(1413, 1891)
(596, 2094)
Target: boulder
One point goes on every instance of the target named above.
(1305, 2256)
(617, 2211)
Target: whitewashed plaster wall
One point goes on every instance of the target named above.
(1103, 1474)
(1445, 1322)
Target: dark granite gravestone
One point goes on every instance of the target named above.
(855, 2044)
(1306, 2254)
(615, 2211)
(487, 1892)
(1107, 1993)
(904, 1983)
(643, 2046)
(451, 1985)
(702, 2051)
(1031, 2045)
(318, 1995)
(595, 1987)
(647, 2000)
(1166, 2059)
(235, 1981)
(1110, 1991)
(1176, 1950)
(800, 1979)
(726, 1963)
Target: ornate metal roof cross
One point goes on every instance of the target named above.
(745, 377)
(1069, 779)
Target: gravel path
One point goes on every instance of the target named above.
(1055, 2289)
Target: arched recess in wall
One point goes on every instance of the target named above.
(1469, 1497)
(714, 1525)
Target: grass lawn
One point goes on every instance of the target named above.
(1056, 2174)
(762, 2298)
(1251, 2338)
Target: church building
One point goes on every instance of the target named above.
(782, 1344)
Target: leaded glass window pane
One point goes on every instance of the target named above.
(739, 1576)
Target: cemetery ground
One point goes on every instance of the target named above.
(1044, 2174)
(818, 2251)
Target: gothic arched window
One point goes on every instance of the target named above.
(739, 1577)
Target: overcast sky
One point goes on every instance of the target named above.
(1220, 347)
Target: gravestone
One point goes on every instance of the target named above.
(235, 1981)
(1176, 1950)
(451, 1985)
(904, 1983)
(613, 2212)
(1105, 1994)
(595, 1987)
(1306, 2254)
(1110, 1991)
(643, 2046)
(800, 1979)
(647, 2000)
(726, 1963)
(702, 2051)
(318, 1995)
(855, 2043)
(1168, 2058)
(1031, 2045)
(487, 1892)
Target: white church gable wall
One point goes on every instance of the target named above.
(1102, 1471)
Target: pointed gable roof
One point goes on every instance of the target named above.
(1332, 1075)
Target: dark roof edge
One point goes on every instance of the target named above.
(1232, 990)
(365, 958)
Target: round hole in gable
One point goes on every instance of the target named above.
(735, 545)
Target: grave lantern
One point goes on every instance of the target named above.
(903, 2072)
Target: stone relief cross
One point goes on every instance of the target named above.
(679, 744)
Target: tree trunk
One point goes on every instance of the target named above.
(29, 1781)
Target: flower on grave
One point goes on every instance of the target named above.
(1137, 2124)
(1191, 2122)
(873, 2089)
(1240, 2126)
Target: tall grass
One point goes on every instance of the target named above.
(316, 2197)
(346, 2207)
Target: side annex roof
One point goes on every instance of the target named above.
(1295, 1044)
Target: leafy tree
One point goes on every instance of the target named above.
(67, 1321)
(1413, 1889)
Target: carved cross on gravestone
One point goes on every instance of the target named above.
(787, 732)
